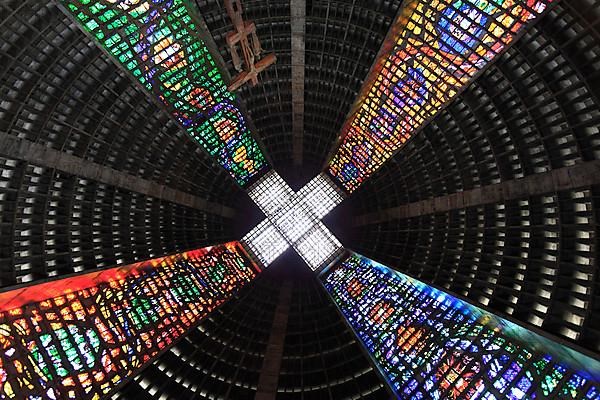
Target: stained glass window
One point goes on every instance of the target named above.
(431, 345)
(157, 43)
(80, 337)
(435, 48)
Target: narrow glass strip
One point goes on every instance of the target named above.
(156, 41)
(433, 50)
(82, 336)
(431, 345)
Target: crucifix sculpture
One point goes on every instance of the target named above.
(244, 35)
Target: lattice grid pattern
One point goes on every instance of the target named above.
(297, 218)
(80, 337)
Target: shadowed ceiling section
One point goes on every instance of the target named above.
(223, 357)
(535, 110)
(61, 92)
(342, 39)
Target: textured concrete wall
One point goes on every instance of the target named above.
(269, 374)
(298, 28)
(41, 155)
(573, 177)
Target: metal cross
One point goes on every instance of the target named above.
(244, 34)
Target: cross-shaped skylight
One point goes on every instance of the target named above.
(293, 219)
(81, 336)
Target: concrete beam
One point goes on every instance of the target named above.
(298, 27)
(567, 178)
(25, 150)
(269, 373)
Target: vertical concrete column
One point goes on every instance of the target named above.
(269, 374)
(298, 28)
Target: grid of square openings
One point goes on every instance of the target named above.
(321, 194)
(265, 242)
(287, 211)
(297, 218)
(318, 247)
(271, 193)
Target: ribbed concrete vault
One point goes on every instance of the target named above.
(533, 113)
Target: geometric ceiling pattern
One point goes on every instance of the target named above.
(294, 218)
(432, 53)
(341, 43)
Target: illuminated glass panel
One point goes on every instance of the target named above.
(296, 216)
(294, 221)
(265, 242)
(318, 247)
(431, 345)
(156, 41)
(321, 194)
(434, 49)
(80, 337)
(271, 193)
